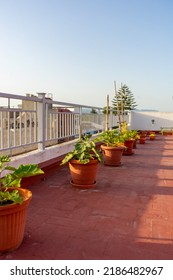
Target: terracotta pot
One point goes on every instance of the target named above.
(167, 133)
(135, 144)
(142, 140)
(112, 155)
(83, 175)
(143, 134)
(152, 138)
(129, 145)
(12, 222)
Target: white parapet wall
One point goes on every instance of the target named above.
(150, 120)
(44, 157)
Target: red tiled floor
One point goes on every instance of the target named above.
(128, 215)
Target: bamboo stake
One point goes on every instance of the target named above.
(80, 123)
(122, 104)
(107, 112)
(118, 111)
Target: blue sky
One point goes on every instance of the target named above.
(75, 49)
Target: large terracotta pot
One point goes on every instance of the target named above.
(83, 175)
(129, 144)
(12, 222)
(112, 155)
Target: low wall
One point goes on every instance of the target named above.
(154, 121)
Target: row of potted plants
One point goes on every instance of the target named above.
(84, 159)
(143, 136)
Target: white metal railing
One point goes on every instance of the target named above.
(35, 122)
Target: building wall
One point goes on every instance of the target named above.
(144, 120)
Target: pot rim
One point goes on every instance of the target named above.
(76, 161)
(26, 195)
(112, 147)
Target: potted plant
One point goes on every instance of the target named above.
(152, 136)
(83, 162)
(14, 202)
(112, 147)
(136, 138)
(166, 132)
(129, 140)
(143, 135)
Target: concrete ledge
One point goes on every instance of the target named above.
(44, 158)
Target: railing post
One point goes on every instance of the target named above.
(107, 112)
(41, 118)
(80, 122)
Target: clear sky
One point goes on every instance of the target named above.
(75, 49)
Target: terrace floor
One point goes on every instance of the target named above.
(128, 215)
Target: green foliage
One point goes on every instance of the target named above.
(7, 197)
(129, 134)
(111, 138)
(13, 179)
(3, 161)
(124, 101)
(93, 111)
(84, 150)
(136, 134)
(105, 109)
(109, 110)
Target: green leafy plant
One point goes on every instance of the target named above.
(152, 134)
(13, 179)
(84, 151)
(130, 134)
(111, 138)
(136, 135)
